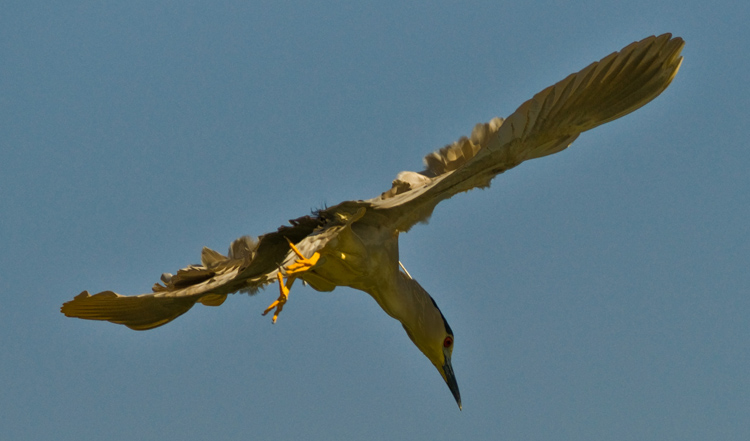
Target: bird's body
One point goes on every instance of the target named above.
(355, 243)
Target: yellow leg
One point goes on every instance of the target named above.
(301, 265)
(283, 296)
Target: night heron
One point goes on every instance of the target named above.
(355, 243)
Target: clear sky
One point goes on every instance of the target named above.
(602, 293)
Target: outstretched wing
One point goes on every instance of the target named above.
(605, 90)
(248, 267)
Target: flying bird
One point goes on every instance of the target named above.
(355, 243)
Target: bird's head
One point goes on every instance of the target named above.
(434, 337)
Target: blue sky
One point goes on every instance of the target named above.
(600, 293)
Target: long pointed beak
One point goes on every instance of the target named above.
(450, 380)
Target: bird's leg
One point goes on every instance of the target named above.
(283, 295)
(292, 271)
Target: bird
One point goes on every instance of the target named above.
(355, 243)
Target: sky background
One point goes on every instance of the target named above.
(598, 294)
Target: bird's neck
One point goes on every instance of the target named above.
(403, 299)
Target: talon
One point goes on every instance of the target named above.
(283, 295)
(300, 265)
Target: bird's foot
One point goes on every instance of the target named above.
(283, 296)
(300, 265)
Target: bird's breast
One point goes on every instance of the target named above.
(359, 257)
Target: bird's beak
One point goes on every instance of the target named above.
(450, 380)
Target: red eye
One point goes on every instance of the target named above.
(448, 342)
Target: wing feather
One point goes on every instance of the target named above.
(248, 267)
(620, 83)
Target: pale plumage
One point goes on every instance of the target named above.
(355, 243)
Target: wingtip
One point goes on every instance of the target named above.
(65, 307)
